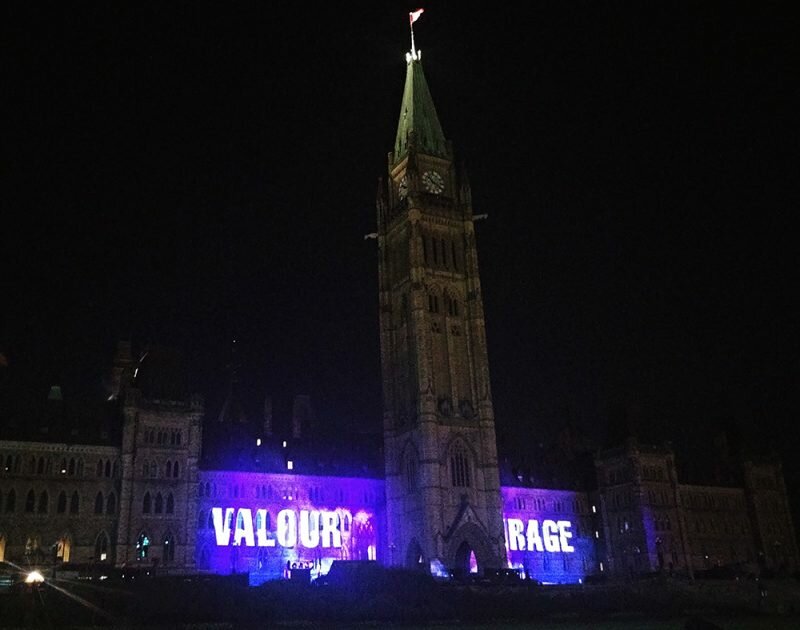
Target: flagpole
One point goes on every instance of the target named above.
(413, 16)
(411, 25)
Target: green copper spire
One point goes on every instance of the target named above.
(418, 115)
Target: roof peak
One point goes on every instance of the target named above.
(419, 124)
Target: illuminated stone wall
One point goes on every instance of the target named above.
(266, 524)
(550, 534)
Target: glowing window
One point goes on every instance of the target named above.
(142, 546)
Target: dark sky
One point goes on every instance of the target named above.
(188, 173)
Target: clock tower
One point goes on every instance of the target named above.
(442, 484)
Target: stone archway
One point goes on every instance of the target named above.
(465, 561)
(470, 549)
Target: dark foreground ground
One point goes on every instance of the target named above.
(220, 603)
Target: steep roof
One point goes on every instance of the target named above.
(418, 115)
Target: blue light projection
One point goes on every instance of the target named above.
(547, 536)
(268, 525)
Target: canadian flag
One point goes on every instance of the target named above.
(414, 15)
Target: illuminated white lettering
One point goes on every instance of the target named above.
(309, 528)
(555, 536)
(261, 533)
(286, 528)
(222, 528)
(534, 540)
(565, 535)
(244, 528)
(549, 533)
(331, 536)
(515, 540)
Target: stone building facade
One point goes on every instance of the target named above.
(141, 496)
(652, 522)
(58, 502)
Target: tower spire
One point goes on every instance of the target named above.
(418, 118)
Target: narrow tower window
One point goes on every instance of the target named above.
(459, 467)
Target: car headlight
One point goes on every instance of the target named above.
(34, 577)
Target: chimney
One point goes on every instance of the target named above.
(302, 415)
(267, 416)
(122, 369)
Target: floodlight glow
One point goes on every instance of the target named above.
(34, 577)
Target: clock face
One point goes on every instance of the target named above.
(402, 188)
(433, 182)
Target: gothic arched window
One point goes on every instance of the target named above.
(30, 501)
(111, 504)
(170, 504)
(460, 467)
(98, 503)
(159, 507)
(411, 471)
(61, 506)
(74, 503)
(146, 503)
(142, 546)
(11, 501)
(101, 545)
(43, 500)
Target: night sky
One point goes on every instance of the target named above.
(191, 173)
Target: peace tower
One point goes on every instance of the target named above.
(442, 482)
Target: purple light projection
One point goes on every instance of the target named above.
(270, 524)
(548, 534)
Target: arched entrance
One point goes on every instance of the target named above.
(465, 560)
(470, 551)
(414, 557)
